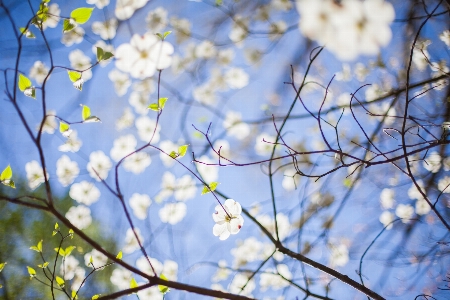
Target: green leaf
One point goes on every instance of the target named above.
(153, 106)
(43, 266)
(160, 36)
(100, 54)
(56, 226)
(63, 127)
(173, 154)
(68, 250)
(219, 2)
(166, 34)
(6, 174)
(10, 183)
(86, 112)
(71, 233)
(60, 281)
(60, 251)
(212, 187)
(91, 260)
(95, 297)
(74, 75)
(133, 283)
(107, 55)
(2, 266)
(67, 26)
(81, 15)
(182, 150)
(31, 271)
(162, 288)
(119, 255)
(162, 102)
(24, 82)
(348, 182)
(39, 245)
(27, 33)
(74, 294)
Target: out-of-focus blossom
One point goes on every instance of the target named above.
(144, 55)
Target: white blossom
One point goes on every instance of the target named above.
(404, 212)
(386, 218)
(234, 125)
(66, 170)
(208, 172)
(433, 162)
(290, 179)
(99, 3)
(131, 243)
(52, 16)
(81, 62)
(147, 129)
(284, 226)
(339, 255)
(68, 267)
(99, 165)
(126, 8)
(106, 30)
(422, 207)
(39, 71)
(272, 279)
(264, 144)
(228, 219)
(444, 184)
(139, 204)
(35, 174)
(173, 213)
(79, 216)
(157, 20)
(126, 120)
(445, 37)
(205, 50)
(84, 192)
(137, 162)
(121, 81)
(236, 78)
(387, 199)
(123, 146)
(121, 277)
(75, 36)
(238, 283)
(246, 252)
(98, 259)
(50, 122)
(144, 55)
(72, 144)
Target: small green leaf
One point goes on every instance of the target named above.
(182, 150)
(43, 266)
(119, 255)
(60, 281)
(39, 245)
(212, 187)
(153, 106)
(91, 260)
(133, 283)
(24, 82)
(2, 266)
(71, 233)
(6, 174)
(34, 248)
(107, 55)
(56, 226)
(67, 26)
(10, 183)
(162, 288)
(27, 33)
(160, 36)
(68, 250)
(166, 34)
(31, 271)
(95, 297)
(100, 54)
(162, 102)
(74, 295)
(86, 112)
(74, 75)
(81, 15)
(60, 251)
(173, 154)
(63, 127)
(348, 182)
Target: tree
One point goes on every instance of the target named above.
(229, 149)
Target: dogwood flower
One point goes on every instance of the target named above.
(144, 55)
(228, 219)
(84, 192)
(35, 174)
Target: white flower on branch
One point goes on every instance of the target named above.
(228, 219)
(84, 192)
